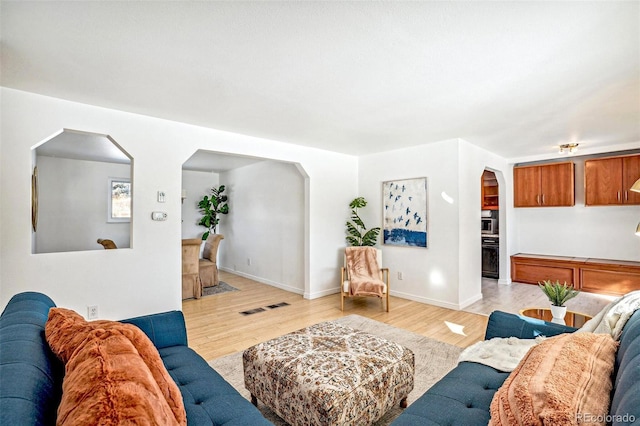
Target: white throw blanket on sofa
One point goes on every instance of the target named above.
(614, 316)
(503, 354)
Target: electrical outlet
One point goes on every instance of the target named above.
(92, 312)
(249, 261)
(400, 275)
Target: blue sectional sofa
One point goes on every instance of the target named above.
(464, 395)
(31, 375)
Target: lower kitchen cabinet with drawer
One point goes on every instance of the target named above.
(604, 276)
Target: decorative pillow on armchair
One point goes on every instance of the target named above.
(113, 374)
(565, 380)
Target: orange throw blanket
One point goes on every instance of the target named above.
(364, 272)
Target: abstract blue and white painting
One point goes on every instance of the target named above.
(405, 212)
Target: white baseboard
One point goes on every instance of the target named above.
(318, 294)
(504, 281)
(265, 281)
(327, 292)
(426, 300)
(470, 301)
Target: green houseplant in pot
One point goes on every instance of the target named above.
(558, 294)
(211, 208)
(357, 234)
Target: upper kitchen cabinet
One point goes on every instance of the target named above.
(490, 199)
(607, 180)
(544, 185)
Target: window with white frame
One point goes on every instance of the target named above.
(119, 200)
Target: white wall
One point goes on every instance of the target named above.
(448, 272)
(72, 205)
(429, 275)
(197, 184)
(473, 162)
(147, 277)
(265, 225)
(605, 232)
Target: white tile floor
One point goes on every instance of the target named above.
(516, 296)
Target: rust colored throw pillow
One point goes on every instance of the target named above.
(113, 374)
(565, 380)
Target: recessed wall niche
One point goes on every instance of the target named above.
(81, 192)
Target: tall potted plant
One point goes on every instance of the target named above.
(357, 234)
(211, 207)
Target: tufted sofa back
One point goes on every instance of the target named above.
(625, 402)
(30, 373)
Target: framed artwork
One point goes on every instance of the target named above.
(34, 199)
(404, 204)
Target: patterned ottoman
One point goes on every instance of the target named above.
(329, 374)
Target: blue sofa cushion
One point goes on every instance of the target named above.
(208, 398)
(164, 329)
(503, 324)
(462, 397)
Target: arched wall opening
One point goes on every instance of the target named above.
(495, 260)
(82, 192)
(266, 230)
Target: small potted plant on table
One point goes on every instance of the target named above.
(558, 294)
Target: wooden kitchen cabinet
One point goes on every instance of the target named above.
(607, 180)
(630, 174)
(545, 185)
(489, 185)
(603, 276)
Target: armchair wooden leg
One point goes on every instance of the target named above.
(341, 300)
(388, 290)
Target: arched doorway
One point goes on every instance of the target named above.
(490, 225)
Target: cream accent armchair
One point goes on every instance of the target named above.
(208, 263)
(191, 284)
(345, 282)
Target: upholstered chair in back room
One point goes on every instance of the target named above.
(208, 263)
(191, 284)
(107, 244)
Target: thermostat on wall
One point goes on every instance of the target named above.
(158, 216)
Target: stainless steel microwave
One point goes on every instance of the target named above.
(489, 226)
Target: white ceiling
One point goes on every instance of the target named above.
(516, 78)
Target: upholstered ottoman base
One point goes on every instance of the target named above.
(329, 374)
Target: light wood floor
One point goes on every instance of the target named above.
(216, 328)
(512, 298)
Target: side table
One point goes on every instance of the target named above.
(572, 319)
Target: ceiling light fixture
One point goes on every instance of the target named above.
(570, 148)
